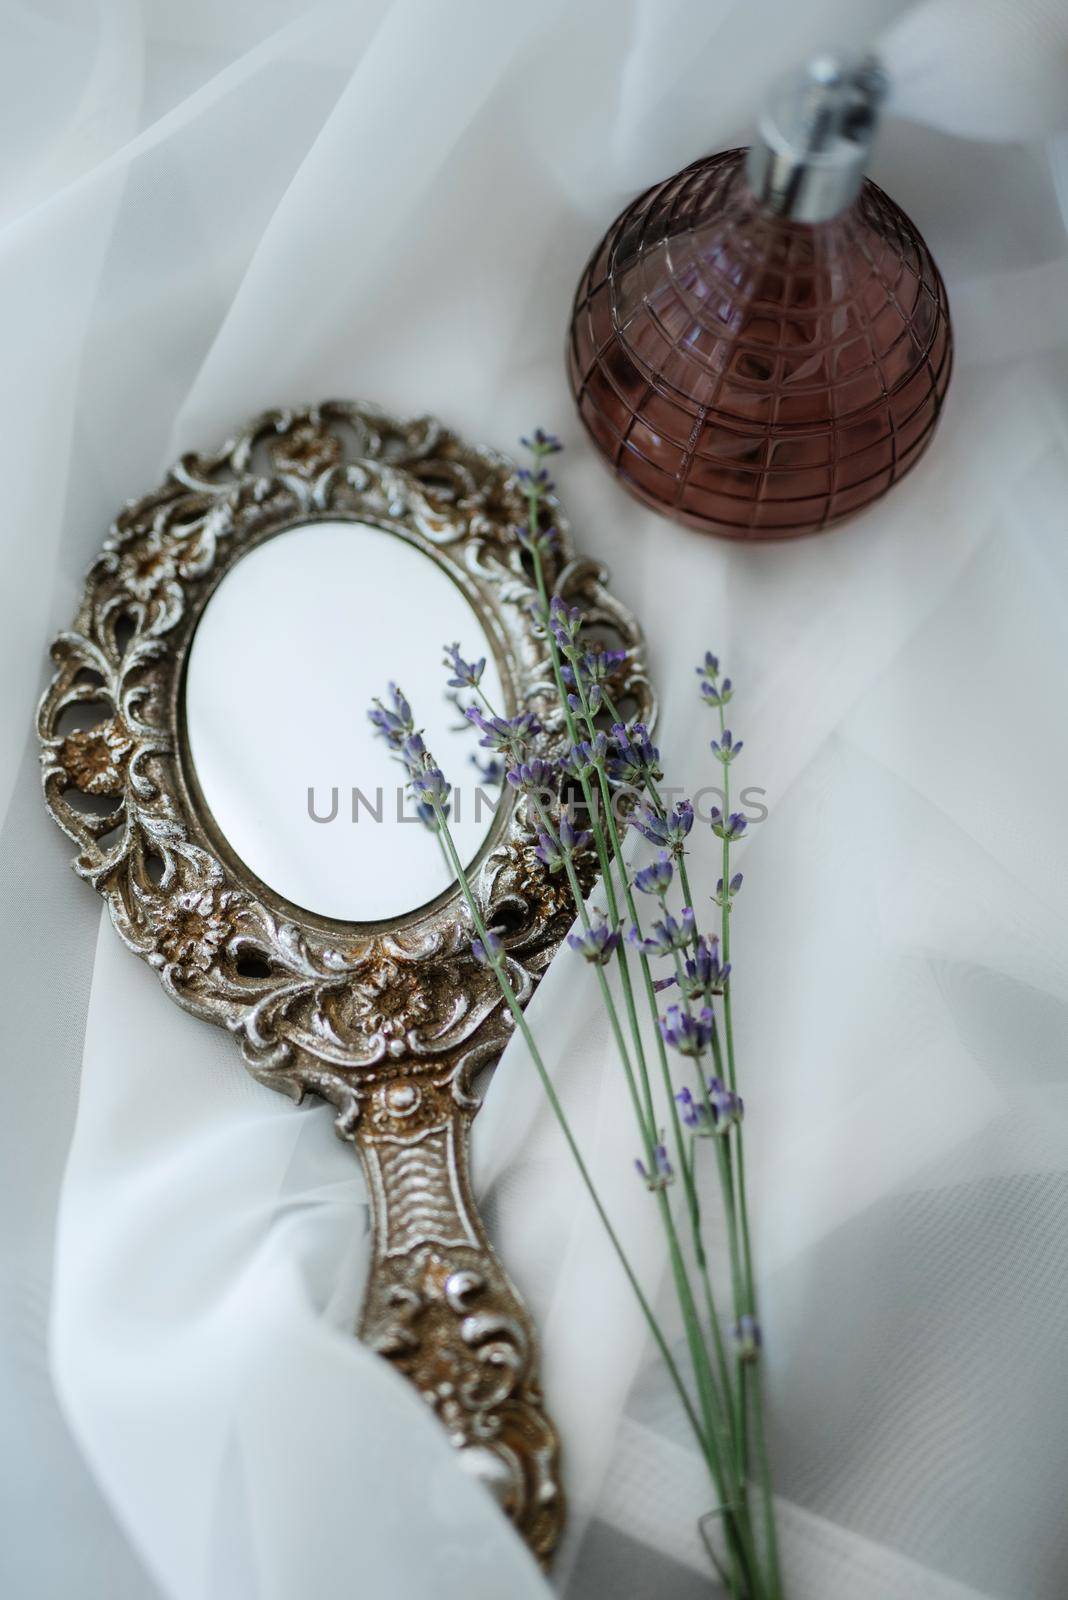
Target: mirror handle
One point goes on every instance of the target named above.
(440, 1306)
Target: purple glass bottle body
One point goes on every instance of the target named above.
(752, 375)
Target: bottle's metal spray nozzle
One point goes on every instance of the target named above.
(814, 137)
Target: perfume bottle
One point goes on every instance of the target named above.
(761, 344)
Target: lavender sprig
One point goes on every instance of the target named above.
(726, 1415)
(566, 648)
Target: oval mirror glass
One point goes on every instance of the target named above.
(292, 647)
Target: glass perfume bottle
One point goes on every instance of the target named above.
(761, 344)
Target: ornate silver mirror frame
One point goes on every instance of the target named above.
(390, 1024)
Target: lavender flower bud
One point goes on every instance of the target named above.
(667, 935)
(588, 702)
(729, 828)
(548, 852)
(508, 735)
(748, 1337)
(668, 831)
(394, 724)
(556, 852)
(727, 1107)
(662, 1174)
(465, 674)
(597, 943)
(716, 694)
(596, 666)
(655, 879)
(600, 664)
(430, 785)
(413, 752)
(542, 542)
(693, 1114)
(709, 668)
(572, 839)
(636, 760)
(535, 484)
(583, 758)
(726, 747)
(565, 622)
(705, 975)
(487, 951)
(578, 763)
(541, 443)
(537, 776)
(732, 889)
(688, 1033)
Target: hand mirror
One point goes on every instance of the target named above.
(206, 747)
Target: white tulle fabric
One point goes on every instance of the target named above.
(206, 209)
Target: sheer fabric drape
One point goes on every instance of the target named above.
(208, 209)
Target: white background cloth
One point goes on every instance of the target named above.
(209, 208)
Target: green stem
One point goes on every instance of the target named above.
(712, 1406)
(685, 1166)
(749, 1285)
(698, 1241)
(688, 1306)
(608, 999)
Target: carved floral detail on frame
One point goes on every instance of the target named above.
(306, 448)
(194, 926)
(312, 1008)
(95, 758)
